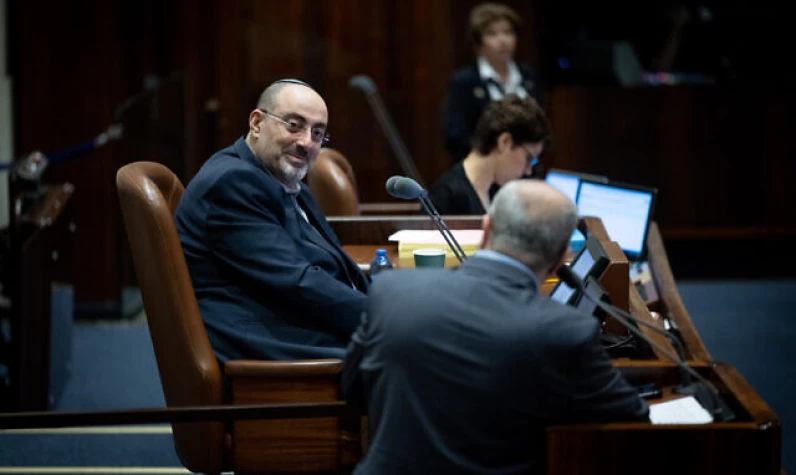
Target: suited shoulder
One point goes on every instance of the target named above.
(561, 325)
(221, 164)
(465, 76)
(407, 280)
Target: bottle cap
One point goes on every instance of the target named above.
(381, 252)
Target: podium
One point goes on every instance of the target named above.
(750, 444)
(40, 331)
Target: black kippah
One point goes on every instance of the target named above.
(293, 81)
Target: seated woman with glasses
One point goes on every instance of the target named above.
(508, 138)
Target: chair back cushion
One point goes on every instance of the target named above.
(189, 372)
(333, 185)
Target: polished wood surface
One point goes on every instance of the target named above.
(672, 305)
(750, 444)
(375, 230)
(290, 445)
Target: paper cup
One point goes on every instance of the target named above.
(429, 257)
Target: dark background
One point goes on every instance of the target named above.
(182, 76)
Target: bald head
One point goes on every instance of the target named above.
(286, 130)
(532, 222)
(269, 96)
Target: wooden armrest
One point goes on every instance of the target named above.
(297, 368)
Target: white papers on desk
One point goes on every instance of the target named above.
(463, 236)
(679, 411)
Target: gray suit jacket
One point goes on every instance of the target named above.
(462, 370)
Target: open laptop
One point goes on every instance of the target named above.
(625, 210)
(568, 182)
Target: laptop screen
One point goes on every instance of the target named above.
(591, 260)
(625, 210)
(562, 293)
(568, 182)
(564, 182)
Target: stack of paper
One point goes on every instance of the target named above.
(409, 240)
(685, 410)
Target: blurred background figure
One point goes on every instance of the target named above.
(492, 31)
(506, 144)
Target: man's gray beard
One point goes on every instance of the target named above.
(291, 175)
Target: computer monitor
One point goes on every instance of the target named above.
(568, 182)
(625, 210)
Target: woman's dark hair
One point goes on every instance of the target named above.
(524, 119)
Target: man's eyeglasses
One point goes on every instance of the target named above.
(532, 159)
(296, 126)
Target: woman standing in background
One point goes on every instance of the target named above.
(492, 30)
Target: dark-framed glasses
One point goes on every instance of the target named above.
(298, 126)
(531, 158)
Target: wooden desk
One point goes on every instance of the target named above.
(751, 444)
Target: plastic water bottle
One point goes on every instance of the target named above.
(380, 263)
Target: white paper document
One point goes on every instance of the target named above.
(685, 410)
(464, 236)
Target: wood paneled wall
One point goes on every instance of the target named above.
(408, 48)
(73, 66)
(721, 158)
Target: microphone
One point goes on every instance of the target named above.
(703, 390)
(408, 189)
(404, 188)
(366, 85)
(363, 83)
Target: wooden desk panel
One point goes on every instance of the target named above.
(372, 230)
(668, 303)
(749, 445)
(672, 305)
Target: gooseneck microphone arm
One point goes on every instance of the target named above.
(366, 85)
(720, 409)
(408, 189)
(432, 213)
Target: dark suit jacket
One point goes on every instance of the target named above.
(467, 98)
(463, 369)
(268, 286)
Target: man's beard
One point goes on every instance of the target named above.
(292, 175)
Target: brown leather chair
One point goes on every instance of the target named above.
(333, 184)
(189, 372)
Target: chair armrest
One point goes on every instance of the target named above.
(293, 368)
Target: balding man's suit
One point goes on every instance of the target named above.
(463, 369)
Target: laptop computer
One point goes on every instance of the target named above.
(625, 210)
(568, 182)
